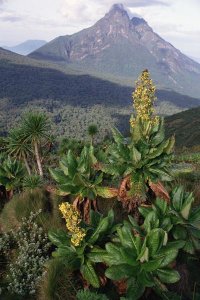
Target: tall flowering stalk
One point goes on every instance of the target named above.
(143, 100)
(142, 160)
(73, 219)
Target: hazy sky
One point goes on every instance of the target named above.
(177, 21)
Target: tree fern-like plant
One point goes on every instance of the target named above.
(18, 146)
(92, 131)
(35, 128)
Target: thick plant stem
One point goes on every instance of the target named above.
(26, 164)
(38, 159)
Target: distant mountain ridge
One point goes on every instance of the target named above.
(123, 47)
(26, 47)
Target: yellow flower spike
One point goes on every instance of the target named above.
(72, 218)
(143, 99)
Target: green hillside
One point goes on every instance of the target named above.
(186, 127)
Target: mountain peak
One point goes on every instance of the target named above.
(117, 7)
(121, 46)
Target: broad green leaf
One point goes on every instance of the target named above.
(71, 163)
(91, 155)
(169, 148)
(151, 221)
(89, 274)
(84, 161)
(188, 199)
(135, 225)
(152, 265)
(189, 247)
(195, 218)
(116, 255)
(59, 237)
(158, 150)
(111, 217)
(68, 188)
(160, 135)
(135, 289)
(144, 255)
(128, 239)
(186, 210)
(122, 271)
(117, 136)
(161, 205)
(177, 198)
(95, 218)
(168, 275)
(128, 256)
(145, 279)
(144, 210)
(174, 245)
(155, 240)
(166, 224)
(166, 257)
(124, 152)
(58, 175)
(101, 228)
(112, 169)
(135, 155)
(97, 255)
(98, 179)
(163, 175)
(196, 243)
(195, 232)
(179, 232)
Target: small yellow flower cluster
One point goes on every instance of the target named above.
(72, 218)
(143, 98)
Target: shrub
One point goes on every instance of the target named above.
(25, 272)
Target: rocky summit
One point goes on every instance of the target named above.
(121, 47)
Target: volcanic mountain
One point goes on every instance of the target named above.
(120, 47)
